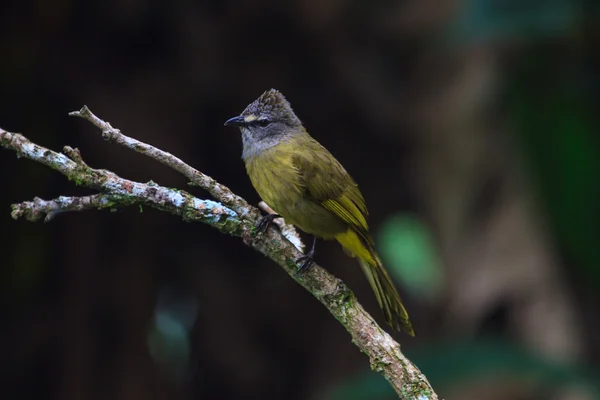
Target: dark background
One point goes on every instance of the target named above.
(470, 126)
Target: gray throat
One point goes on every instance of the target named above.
(253, 147)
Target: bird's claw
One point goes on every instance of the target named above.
(265, 221)
(305, 262)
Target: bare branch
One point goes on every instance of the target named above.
(206, 211)
(119, 191)
(236, 218)
(48, 209)
(216, 190)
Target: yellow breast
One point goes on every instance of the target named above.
(275, 178)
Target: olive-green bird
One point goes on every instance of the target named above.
(310, 189)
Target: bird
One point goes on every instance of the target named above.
(307, 186)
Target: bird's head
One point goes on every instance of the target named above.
(268, 118)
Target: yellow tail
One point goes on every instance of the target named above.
(383, 287)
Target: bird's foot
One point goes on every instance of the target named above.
(306, 260)
(265, 221)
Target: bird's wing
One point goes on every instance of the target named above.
(328, 183)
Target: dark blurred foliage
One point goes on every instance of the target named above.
(470, 126)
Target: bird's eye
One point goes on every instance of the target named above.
(263, 122)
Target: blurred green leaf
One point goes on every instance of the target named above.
(454, 364)
(169, 345)
(522, 19)
(451, 363)
(560, 146)
(168, 339)
(410, 254)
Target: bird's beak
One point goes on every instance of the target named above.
(235, 121)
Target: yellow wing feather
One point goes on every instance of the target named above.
(348, 211)
(327, 183)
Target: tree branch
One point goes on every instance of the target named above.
(34, 210)
(231, 215)
(197, 178)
